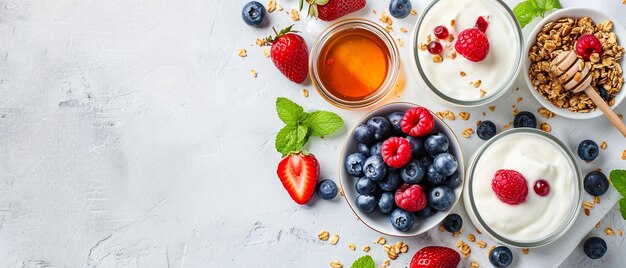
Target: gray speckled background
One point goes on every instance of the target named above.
(132, 135)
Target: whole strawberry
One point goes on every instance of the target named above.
(435, 257)
(290, 55)
(329, 10)
(299, 173)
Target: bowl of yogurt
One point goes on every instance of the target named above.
(550, 178)
(451, 76)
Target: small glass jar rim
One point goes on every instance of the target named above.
(505, 86)
(392, 69)
(575, 209)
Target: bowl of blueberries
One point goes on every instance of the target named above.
(401, 169)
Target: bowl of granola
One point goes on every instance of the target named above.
(560, 32)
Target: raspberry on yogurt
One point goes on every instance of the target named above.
(510, 186)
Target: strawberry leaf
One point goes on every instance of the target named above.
(528, 10)
(618, 179)
(364, 262)
(323, 123)
(289, 112)
(622, 207)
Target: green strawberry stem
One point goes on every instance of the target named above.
(269, 40)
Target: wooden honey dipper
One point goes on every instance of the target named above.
(575, 76)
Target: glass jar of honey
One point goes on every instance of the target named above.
(354, 63)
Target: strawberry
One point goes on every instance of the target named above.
(472, 44)
(290, 55)
(299, 173)
(435, 257)
(329, 10)
(510, 186)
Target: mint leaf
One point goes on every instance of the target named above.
(622, 207)
(291, 138)
(364, 262)
(288, 111)
(528, 10)
(618, 179)
(323, 123)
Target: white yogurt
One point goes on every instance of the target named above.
(493, 71)
(535, 157)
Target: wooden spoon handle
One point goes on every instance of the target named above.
(608, 112)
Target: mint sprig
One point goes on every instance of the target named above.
(618, 179)
(528, 10)
(300, 125)
(364, 262)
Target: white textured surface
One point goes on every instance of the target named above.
(132, 135)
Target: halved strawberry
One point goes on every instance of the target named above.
(435, 257)
(299, 173)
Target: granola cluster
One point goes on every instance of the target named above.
(561, 35)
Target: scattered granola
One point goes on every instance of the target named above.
(334, 239)
(253, 73)
(351, 246)
(452, 22)
(508, 125)
(381, 240)
(588, 205)
(609, 231)
(295, 16)
(404, 30)
(492, 108)
(467, 132)
(545, 112)
(545, 127)
(561, 35)
(624, 155)
(323, 235)
(336, 264)
(477, 83)
(596, 200)
(603, 145)
(471, 238)
(597, 225)
(474, 264)
(441, 228)
(271, 6)
(366, 248)
(482, 92)
(520, 99)
(446, 114)
(305, 92)
(464, 115)
(437, 58)
(587, 212)
(515, 111)
(266, 52)
(464, 247)
(463, 73)
(279, 7)
(481, 244)
(384, 18)
(525, 250)
(619, 232)
(413, 12)
(400, 42)
(242, 52)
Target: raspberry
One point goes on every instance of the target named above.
(588, 44)
(410, 197)
(417, 122)
(396, 152)
(472, 44)
(510, 186)
(482, 24)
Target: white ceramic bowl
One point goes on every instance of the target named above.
(597, 17)
(376, 220)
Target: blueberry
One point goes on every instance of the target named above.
(391, 182)
(401, 220)
(394, 119)
(603, 93)
(425, 160)
(413, 172)
(454, 180)
(417, 145)
(375, 150)
(486, 130)
(436, 144)
(382, 127)
(426, 212)
(501, 256)
(363, 149)
(588, 150)
(433, 176)
(366, 186)
(327, 189)
(596, 183)
(386, 203)
(364, 134)
(453, 223)
(525, 119)
(374, 168)
(441, 197)
(400, 9)
(445, 164)
(595, 247)
(253, 13)
(354, 164)
(366, 203)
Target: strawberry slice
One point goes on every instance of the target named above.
(435, 257)
(299, 173)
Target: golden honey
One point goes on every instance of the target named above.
(353, 64)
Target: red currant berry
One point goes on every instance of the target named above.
(541, 187)
(482, 24)
(435, 48)
(441, 32)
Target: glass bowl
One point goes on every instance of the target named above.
(452, 71)
(344, 27)
(533, 202)
(376, 220)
